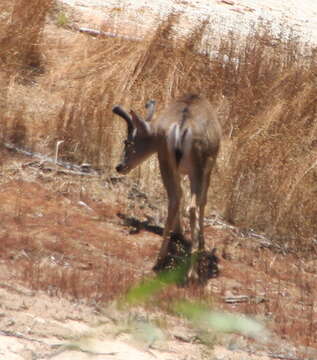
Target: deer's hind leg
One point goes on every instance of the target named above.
(200, 179)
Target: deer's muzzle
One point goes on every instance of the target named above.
(122, 169)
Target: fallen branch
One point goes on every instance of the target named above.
(238, 299)
(73, 169)
(98, 33)
(19, 336)
(282, 356)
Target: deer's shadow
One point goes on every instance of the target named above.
(179, 252)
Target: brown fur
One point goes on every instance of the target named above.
(186, 137)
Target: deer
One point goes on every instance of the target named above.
(186, 137)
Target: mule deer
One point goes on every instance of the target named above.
(186, 137)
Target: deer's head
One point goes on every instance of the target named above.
(139, 144)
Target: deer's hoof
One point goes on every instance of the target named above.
(207, 267)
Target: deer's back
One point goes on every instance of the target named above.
(193, 112)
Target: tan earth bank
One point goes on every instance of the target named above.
(226, 15)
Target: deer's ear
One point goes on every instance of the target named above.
(118, 110)
(142, 126)
(150, 106)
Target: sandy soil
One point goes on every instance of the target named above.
(226, 15)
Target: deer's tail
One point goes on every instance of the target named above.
(179, 140)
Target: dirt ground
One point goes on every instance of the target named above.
(66, 257)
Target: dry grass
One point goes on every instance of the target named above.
(53, 243)
(21, 37)
(267, 164)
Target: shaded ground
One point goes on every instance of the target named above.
(65, 254)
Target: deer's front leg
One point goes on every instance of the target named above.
(173, 222)
(173, 208)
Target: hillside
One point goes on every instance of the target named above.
(74, 242)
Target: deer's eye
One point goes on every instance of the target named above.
(128, 143)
